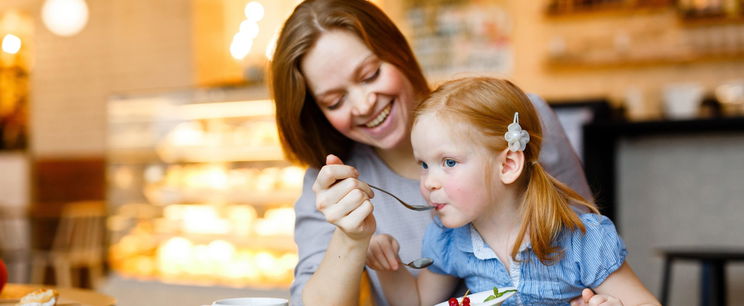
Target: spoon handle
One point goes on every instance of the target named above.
(409, 206)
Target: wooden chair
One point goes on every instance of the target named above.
(79, 242)
(14, 243)
(365, 291)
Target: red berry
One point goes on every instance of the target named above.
(453, 302)
(466, 301)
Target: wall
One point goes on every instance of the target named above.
(14, 181)
(127, 45)
(681, 191)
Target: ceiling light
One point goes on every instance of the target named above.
(65, 17)
(11, 44)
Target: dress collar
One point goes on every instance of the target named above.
(469, 240)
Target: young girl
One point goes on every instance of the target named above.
(501, 219)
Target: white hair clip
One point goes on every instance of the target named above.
(516, 136)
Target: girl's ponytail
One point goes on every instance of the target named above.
(546, 212)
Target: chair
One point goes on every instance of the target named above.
(78, 243)
(14, 243)
(713, 272)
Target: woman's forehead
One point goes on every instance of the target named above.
(333, 59)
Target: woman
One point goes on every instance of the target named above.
(345, 82)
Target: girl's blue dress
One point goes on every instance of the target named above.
(588, 258)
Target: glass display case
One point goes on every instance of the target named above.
(199, 190)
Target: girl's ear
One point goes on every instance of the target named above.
(511, 166)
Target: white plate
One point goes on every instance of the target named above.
(476, 299)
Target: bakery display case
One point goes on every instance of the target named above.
(199, 190)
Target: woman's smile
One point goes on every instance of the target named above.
(380, 118)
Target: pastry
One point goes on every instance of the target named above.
(40, 297)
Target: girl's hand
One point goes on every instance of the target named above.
(343, 199)
(382, 254)
(588, 297)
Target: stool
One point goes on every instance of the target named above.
(713, 274)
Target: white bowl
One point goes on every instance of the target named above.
(252, 301)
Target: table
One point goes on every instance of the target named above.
(713, 272)
(67, 296)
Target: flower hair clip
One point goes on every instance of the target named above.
(516, 136)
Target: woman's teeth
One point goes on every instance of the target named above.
(380, 118)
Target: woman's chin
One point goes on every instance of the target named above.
(390, 142)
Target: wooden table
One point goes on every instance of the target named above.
(67, 296)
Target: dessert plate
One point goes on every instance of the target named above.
(476, 299)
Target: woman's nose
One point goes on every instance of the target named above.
(364, 103)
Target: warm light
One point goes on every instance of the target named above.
(214, 177)
(228, 109)
(186, 134)
(271, 47)
(241, 45)
(198, 219)
(220, 251)
(243, 40)
(277, 221)
(176, 250)
(254, 11)
(65, 17)
(249, 28)
(11, 44)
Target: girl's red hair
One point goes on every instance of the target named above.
(489, 104)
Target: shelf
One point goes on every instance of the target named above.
(694, 21)
(634, 62)
(167, 195)
(195, 154)
(666, 127)
(181, 165)
(610, 8)
(218, 154)
(274, 243)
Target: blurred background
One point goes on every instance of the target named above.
(138, 151)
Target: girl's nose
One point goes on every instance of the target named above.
(431, 183)
(365, 102)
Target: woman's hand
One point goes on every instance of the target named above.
(343, 199)
(382, 254)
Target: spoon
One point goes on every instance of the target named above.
(409, 206)
(420, 263)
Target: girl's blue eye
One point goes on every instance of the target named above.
(450, 162)
(424, 165)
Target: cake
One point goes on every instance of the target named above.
(40, 297)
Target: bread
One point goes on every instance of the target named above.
(40, 297)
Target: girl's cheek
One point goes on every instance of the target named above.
(452, 190)
(458, 193)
